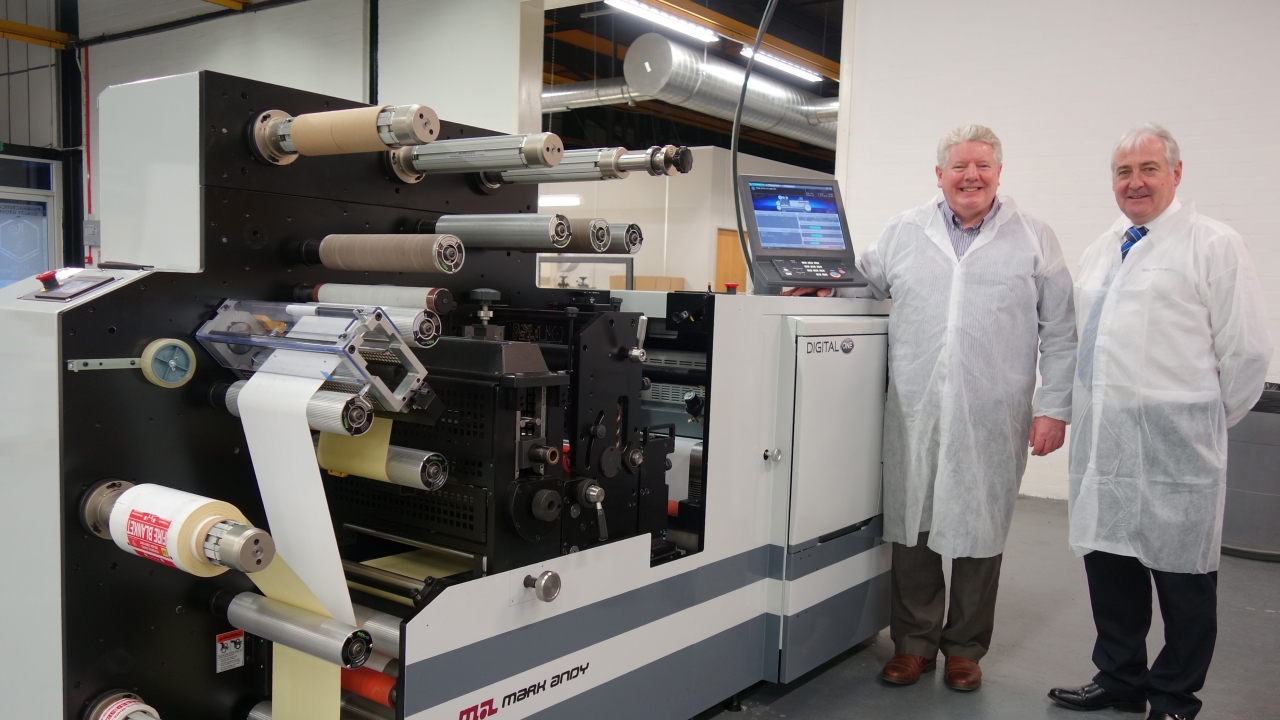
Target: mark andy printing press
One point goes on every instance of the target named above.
(311, 443)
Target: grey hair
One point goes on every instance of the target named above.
(1134, 138)
(969, 133)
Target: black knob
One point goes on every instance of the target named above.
(694, 404)
(683, 159)
(485, 295)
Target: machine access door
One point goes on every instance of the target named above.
(840, 382)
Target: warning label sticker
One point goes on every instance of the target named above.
(230, 650)
(148, 535)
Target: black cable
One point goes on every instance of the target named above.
(737, 128)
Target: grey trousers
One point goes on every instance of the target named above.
(919, 600)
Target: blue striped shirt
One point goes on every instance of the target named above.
(962, 237)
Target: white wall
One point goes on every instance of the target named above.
(477, 62)
(1059, 82)
(679, 215)
(318, 45)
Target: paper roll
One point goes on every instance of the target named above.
(393, 253)
(127, 709)
(588, 235)
(337, 132)
(169, 526)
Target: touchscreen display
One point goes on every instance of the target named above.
(797, 217)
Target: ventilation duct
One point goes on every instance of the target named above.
(658, 69)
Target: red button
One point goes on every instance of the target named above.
(49, 279)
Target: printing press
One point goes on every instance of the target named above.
(312, 443)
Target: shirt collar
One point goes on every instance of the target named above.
(954, 221)
(1161, 220)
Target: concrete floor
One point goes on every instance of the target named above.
(1043, 638)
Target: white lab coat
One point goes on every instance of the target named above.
(1181, 355)
(963, 339)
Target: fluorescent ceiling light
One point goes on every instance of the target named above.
(559, 200)
(665, 19)
(783, 65)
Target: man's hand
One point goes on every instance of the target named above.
(1047, 435)
(820, 292)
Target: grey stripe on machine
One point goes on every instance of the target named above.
(679, 685)
(449, 675)
(819, 633)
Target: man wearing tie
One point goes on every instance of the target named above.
(1173, 350)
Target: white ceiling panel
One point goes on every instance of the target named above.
(103, 17)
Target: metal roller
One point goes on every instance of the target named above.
(327, 411)
(624, 239)
(658, 160)
(420, 469)
(386, 253)
(421, 326)
(519, 231)
(589, 164)
(589, 235)
(604, 164)
(410, 467)
(304, 631)
(383, 627)
(493, 154)
(436, 299)
(278, 138)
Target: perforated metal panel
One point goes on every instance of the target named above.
(457, 510)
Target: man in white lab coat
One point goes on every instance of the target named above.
(979, 290)
(1173, 350)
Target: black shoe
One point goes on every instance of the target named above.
(1157, 715)
(1093, 697)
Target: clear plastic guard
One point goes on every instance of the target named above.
(350, 347)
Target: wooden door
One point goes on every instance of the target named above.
(730, 267)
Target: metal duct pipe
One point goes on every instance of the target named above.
(590, 93)
(658, 69)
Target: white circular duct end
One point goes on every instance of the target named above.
(648, 63)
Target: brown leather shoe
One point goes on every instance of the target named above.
(906, 669)
(962, 674)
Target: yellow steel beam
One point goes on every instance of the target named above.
(745, 34)
(233, 4)
(10, 30)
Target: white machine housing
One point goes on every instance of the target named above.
(792, 570)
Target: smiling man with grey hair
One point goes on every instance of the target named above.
(1173, 350)
(980, 294)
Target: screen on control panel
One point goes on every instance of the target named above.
(792, 216)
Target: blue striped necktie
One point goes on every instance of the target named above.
(1131, 238)
(1089, 336)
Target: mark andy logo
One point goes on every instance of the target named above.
(486, 708)
(828, 346)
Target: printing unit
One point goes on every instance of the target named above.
(312, 443)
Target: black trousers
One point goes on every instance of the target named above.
(918, 600)
(1120, 591)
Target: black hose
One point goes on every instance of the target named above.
(737, 129)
